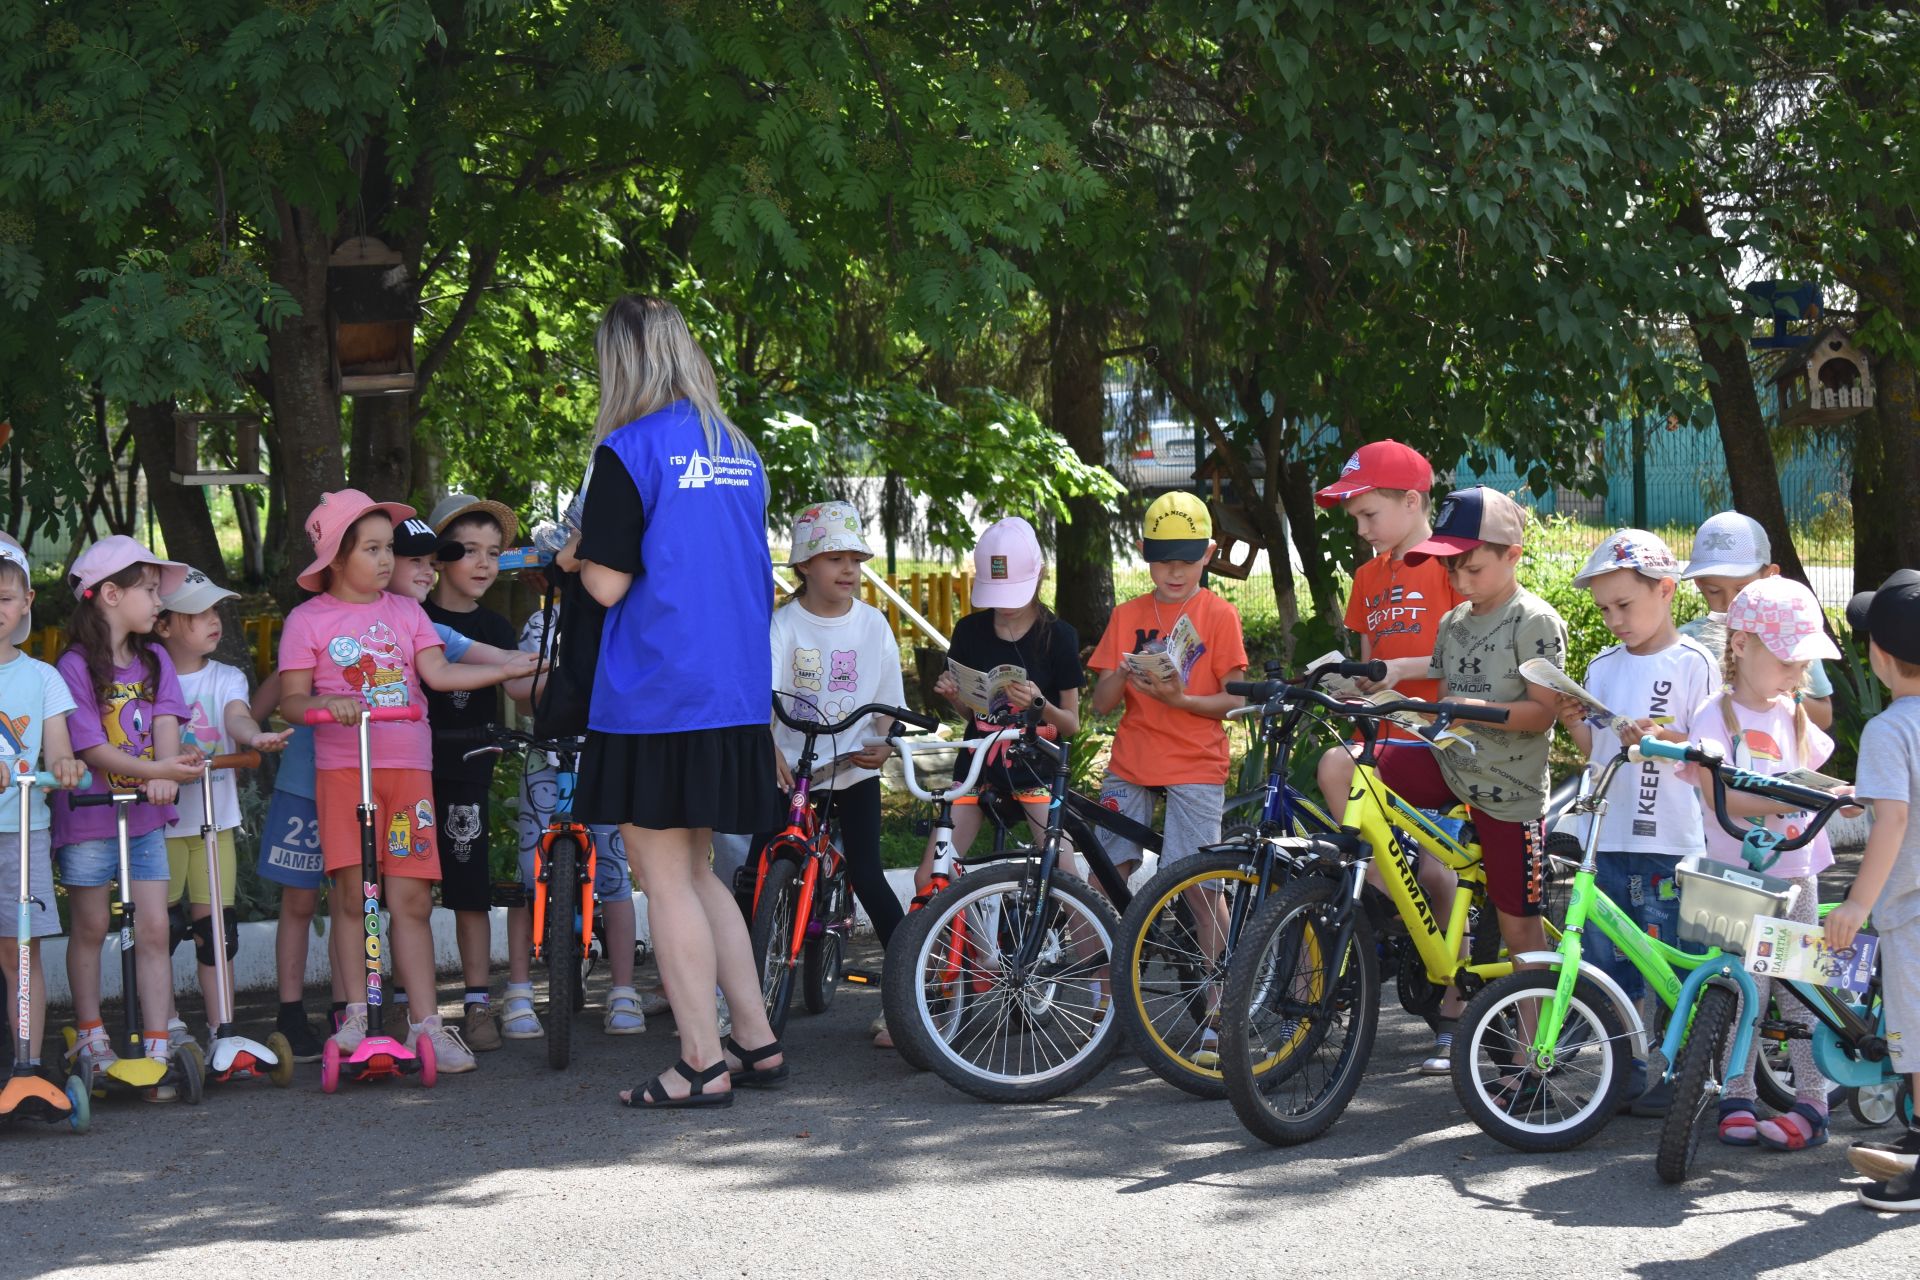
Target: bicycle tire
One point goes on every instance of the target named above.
(772, 935)
(1051, 1009)
(1301, 918)
(1702, 1070)
(562, 948)
(820, 971)
(1484, 1077)
(1164, 1027)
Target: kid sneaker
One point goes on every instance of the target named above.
(92, 1054)
(353, 1028)
(1899, 1195)
(161, 1051)
(1887, 1161)
(450, 1053)
(478, 1027)
(301, 1040)
(177, 1034)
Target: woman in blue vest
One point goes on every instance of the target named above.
(673, 543)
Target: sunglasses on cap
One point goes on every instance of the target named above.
(454, 552)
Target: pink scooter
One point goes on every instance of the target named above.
(379, 1054)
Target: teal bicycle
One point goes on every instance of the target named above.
(1541, 1057)
(1719, 1002)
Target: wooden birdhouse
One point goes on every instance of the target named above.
(1826, 380)
(1237, 540)
(371, 301)
(203, 443)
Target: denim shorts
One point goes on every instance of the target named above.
(1643, 886)
(96, 862)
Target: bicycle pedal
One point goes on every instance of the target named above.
(1784, 1031)
(861, 977)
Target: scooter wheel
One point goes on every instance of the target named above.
(79, 1105)
(282, 1073)
(193, 1074)
(329, 1066)
(429, 1066)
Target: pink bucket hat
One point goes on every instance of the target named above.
(1006, 565)
(329, 522)
(110, 555)
(1786, 617)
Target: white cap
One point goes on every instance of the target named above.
(11, 550)
(197, 594)
(1634, 549)
(1729, 545)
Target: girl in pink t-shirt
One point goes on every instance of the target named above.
(357, 645)
(1774, 632)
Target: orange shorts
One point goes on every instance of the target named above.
(404, 830)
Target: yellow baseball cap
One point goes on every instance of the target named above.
(1177, 527)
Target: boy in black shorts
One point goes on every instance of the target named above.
(472, 533)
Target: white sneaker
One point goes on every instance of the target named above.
(726, 1014)
(353, 1028)
(161, 1092)
(624, 1015)
(177, 1034)
(92, 1055)
(518, 1021)
(654, 1003)
(451, 1057)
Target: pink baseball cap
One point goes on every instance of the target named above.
(1786, 617)
(110, 555)
(328, 523)
(1006, 565)
(1384, 464)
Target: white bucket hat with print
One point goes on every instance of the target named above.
(824, 527)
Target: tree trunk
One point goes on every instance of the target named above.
(1083, 543)
(306, 410)
(1886, 476)
(382, 453)
(180, 508)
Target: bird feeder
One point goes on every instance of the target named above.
(194, 463)
(1236, 539)
(1825, 381)
(370, 297)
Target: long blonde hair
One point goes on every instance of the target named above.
(1730, 668)
(648, 359)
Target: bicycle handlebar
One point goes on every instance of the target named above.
(1272, 691)
(320, 715)
(817, 729)
(1373, 670)
(1823, 804)
(957, 789)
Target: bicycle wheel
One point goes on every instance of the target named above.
(1773, 1074)
(1173, 966)
(986, 1027)
(1701, 1073)
(1290, 1065)
(1527, 1111)
(562, 948)
(773, 939)
(820, 971)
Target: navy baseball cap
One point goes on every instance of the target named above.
(1469, 518)
(1891, 615)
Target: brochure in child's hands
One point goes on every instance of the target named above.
(1455, 736)
(984, 693)
(1171, 658)
(1543, 673)
(1813, 781)
(1335, 686)
(1799, 952)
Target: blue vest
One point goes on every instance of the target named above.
(687, 648)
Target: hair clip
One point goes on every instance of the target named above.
(86, 593)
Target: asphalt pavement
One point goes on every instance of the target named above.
(863, 1167)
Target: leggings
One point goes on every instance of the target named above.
(855, 812)
(1807, 1083)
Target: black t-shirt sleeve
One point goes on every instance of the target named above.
(611, 527)
(1064, 657)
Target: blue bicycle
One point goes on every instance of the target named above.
(1719, 1002)
(1179, 931)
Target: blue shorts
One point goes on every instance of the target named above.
(1642, 885)
(612, 878)
(91, 863)
(290, 843)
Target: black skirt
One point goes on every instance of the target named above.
(719, 778)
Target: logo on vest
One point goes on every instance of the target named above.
(699, 472)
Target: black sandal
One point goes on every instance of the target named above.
(699, 1097)
(751, 1076)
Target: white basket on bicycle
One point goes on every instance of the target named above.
(1718, 902)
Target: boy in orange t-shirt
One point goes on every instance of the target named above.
(1395, 607)
(1171, 737)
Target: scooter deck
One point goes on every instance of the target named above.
(379, 1056)
(238, 1058)
(34, 1098)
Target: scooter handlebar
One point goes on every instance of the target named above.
(100, 799)
(236, 760)
(320, 715)
(48, 782)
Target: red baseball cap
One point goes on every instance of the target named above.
(1384, 464)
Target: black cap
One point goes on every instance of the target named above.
(1891, 615)
(415, 537)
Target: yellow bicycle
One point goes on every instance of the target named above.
(1302, 998)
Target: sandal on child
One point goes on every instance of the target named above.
(751, 1076)
(1739, 1127)
(653, 1095)
(518, 1021)
(624, 1016)
(1804, 1126)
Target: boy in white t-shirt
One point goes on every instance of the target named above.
(1654, 677)
(220, 719)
